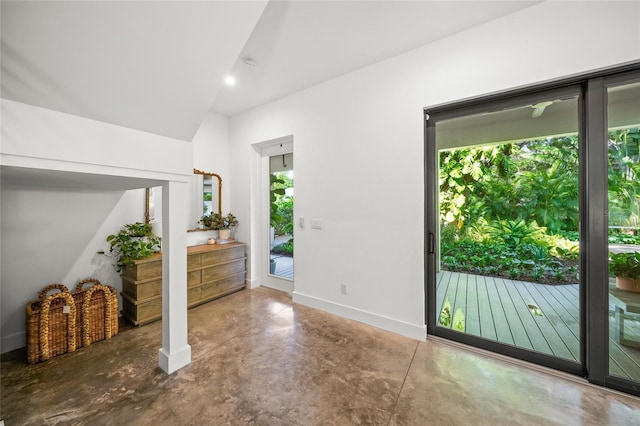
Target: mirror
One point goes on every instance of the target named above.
(205, 196)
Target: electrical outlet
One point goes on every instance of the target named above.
(316, 224)
(343, 288)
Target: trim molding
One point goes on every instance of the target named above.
(278, 284)
(13, 342)
(251, 283)
(171, 362)
(413, 331)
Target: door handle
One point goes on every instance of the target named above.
(432, 243)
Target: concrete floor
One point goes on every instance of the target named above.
(259, 359)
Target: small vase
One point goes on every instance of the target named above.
(225, 234)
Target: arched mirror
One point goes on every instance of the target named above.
(205, 196)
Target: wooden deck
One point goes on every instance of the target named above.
(543, 318)
(284, 266)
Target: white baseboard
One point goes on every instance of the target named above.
(13, 342)
(418, 332)
(252, 283)
(170, 362)
(282, 285)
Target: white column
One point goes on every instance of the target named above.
(175, 352)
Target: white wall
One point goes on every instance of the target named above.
(359, 148)
(211, 152)
(37, 137)
(51, 234)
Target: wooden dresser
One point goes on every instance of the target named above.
(213, 271)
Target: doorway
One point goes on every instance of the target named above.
(507, 237)
(281, 259)
(273, 203)
(518, 258)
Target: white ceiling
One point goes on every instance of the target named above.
(158, 66)
(153, 66)
(298, 44)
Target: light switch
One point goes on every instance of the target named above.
(301, 222)
(316, 224)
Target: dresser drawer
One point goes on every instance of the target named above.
(217, 288)
(221, 271)
(221, 256)
(140, 290)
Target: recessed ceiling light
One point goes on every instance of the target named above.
(230, 80)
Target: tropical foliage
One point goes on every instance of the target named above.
(512, 209)
(626, 265)
(281, 209)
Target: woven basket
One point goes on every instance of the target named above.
(98, 308)
(51, 324)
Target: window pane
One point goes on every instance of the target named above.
(624, 239)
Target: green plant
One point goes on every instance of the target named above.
(212, 221)
(216, 221)
(626, 265)
(284, 248)
(525, 262)
(514, 232)
(134, 241)
(228, 221)
(275, 192)
(284, 213)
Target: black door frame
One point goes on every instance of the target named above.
(593, 129)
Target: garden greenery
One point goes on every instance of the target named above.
(281, 209)
(512, 210)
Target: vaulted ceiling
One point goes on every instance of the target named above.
(159, 66)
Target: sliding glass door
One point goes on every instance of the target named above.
(532, 221)
(506, 241)
(623, 140)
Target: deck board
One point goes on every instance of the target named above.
(503, 330)
(472, 313)
(518, 331)
(486, 318)
(444, 279)
(460, 302)
(545, 324)
(530, 322)
(566, 345)
(496, 309)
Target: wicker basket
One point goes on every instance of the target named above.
(98, 312)
(51, 324)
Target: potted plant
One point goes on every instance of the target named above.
(229, 224)
(626, 268)
(213, 222)
(134, 241)
(225, 225)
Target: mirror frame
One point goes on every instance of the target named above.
(195, 172)
(200, 172)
